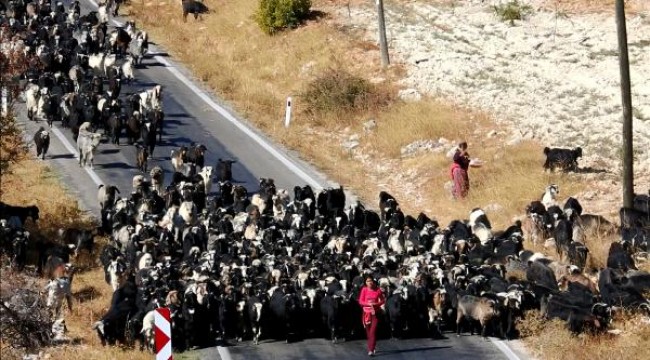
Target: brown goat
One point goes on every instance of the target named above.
(142, 158)
(581, 279)
(438, 307)
(476, 308)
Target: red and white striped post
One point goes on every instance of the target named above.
(163, 334)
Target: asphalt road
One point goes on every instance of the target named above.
(194, 115)
(458, 348)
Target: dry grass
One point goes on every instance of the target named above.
(31, 182)
(550, 340)
(592, 6)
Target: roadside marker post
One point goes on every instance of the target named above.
(163, 334)
(5, 101)
(287, 117)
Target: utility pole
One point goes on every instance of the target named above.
(628, 164)
(383, 44)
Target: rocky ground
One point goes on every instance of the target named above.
(553, 77)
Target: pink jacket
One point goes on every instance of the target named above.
(368, 296)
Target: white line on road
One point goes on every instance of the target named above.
(505, 349)
(224, 353)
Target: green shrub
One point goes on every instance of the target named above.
(339, 92)
(275, 15)
(512, 10)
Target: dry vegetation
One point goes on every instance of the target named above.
(550, 340)
(31, 182)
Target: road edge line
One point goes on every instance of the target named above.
(505, 349)
(224, 353)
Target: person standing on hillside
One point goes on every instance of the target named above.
(371, 299)
(459, 171)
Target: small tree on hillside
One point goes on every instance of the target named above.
(276, 15)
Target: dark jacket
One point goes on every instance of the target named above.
(462, 160)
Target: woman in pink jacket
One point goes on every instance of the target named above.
(371, 299)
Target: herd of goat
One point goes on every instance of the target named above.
(234, 265)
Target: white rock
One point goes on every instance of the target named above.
(308, 68)
(409, 95)
(369, 125)
(494, 207)
(449, 186)
(350, 145)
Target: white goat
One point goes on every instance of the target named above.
(102, 14)
(148, 329)
(57, 289)
(32, 95)
(127, 69)
(550, 195)
(206, 174)
(188, 212)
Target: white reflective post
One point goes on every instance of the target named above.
(287, 118)
(5, 102)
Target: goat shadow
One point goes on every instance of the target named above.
(109, 151)
(590, 170)
(60, 156)
(115, 165)
(153, 64)
(411, 350)
(86, 293)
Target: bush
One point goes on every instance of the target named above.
(512, 10)
(339, 92)
(276, 15)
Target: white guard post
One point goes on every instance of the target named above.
(287, 118)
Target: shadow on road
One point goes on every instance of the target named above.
(177, 115)
(109, 151)
(116, 165)
(412, 350)
(60, 156)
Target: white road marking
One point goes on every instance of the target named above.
(505, 349)
(224, 353)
